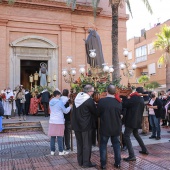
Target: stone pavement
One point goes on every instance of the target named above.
(30, 151)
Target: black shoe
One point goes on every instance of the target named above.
(152, 137)
(89, 166)
(168, 131)
(124, 148)
(103, 167)
(116, 166)
(144, 152)
(129, 159)
(158, 138)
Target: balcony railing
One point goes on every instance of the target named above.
(141, 59)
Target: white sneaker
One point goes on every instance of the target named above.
(52, 153)
(63, 153)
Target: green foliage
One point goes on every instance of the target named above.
(143, 79)
(39, 89)
(152, 85)
(163, 43)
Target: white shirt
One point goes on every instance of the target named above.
(151, 110)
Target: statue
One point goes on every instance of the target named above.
(93, 42)
(43, 74)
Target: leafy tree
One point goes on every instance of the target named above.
(115, 6)
(153, 85)
(143, 79)
(163, 43)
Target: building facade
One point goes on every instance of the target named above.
(48, 31)
(142, 53)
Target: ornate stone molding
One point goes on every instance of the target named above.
(3, 22)
(65, 27)
(52, 6)
(27, 42)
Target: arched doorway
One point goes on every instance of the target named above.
(26, 54)
(29, 67)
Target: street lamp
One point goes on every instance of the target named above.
(125, 66)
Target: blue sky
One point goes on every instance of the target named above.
(143, 19)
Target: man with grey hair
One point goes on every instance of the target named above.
(109, 111)
(84, 111)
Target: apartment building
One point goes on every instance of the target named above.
(142, 53)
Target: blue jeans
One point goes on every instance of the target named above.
(60, 143)
(155, 123)
(116, 148)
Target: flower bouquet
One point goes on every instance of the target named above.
(11, 98)
(2, 96)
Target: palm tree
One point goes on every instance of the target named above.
(114, 5)
(163, 43)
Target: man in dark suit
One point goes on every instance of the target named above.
(109, 110)
(45, 97)
(133, 120)
(27, 102)
(82, 123)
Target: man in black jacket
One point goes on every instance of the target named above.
(27, 102)
(133, 120)
(82, 123)
(109, 110)
(45, 97)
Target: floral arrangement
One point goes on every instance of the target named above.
(11, 98)
(2, 96)
(39, 89)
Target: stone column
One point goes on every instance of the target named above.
(4, 67)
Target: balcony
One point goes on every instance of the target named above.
(141, 59)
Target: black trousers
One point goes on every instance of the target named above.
(27, 106)
(45, 105)
(95, 134)
(84, 145)
(127, 134)
(67, 132)
(20, 107)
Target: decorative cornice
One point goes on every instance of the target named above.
(52, 6)
(65, 27)
(3, 22)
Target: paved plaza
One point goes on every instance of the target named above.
(29, 150)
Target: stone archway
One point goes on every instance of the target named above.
(32, 48)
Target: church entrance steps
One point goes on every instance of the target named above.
(22, 126)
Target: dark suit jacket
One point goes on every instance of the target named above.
(134, 113)
(82, 119)
(1, 109)
(109, 111)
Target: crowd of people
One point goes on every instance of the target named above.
(17, 100)
(140, 110)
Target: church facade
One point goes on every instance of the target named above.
(36, 31)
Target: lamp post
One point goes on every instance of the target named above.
(48, 80)
(36, 78)
(31, 79)
(125, 66)
(69, 75)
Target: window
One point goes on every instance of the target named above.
(130, 56)
(151, 49)
(141, 54)
(151, 68)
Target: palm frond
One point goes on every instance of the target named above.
(95, 4)
(129, 7)
(72, 3)
(146, 2)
